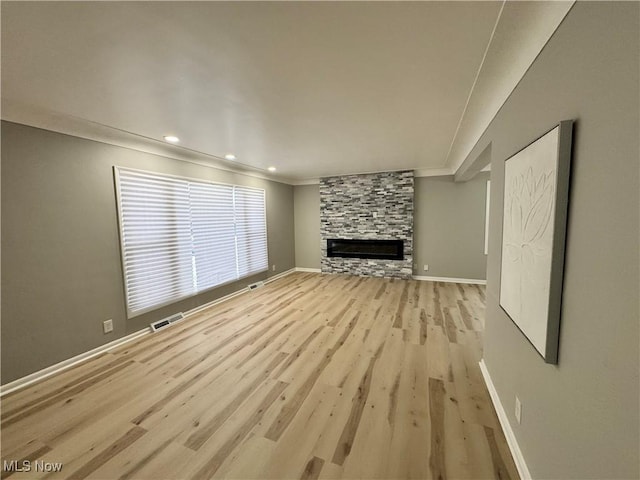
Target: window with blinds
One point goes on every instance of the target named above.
(183, 236)
(251, 231)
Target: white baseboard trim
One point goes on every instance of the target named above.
(236, 293)
(518, 458)
(308, 270)
(217, 300)
(70, 362)
(450, 280)
(280, 275)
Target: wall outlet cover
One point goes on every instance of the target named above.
(426, 267)
(107, 326)
(518, 409)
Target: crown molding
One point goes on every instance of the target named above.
(79, 127)
(433, 172)
(417, 172)
(308, 181)
(520, 34)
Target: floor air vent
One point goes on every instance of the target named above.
(253, 286)
(165, 322)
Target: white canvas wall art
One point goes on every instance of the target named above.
(530, 241)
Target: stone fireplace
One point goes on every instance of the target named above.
(366, 224)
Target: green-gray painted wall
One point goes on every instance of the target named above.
(61, 267)
(580, 419)
(448, 222)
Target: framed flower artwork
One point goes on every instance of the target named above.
(536, 193)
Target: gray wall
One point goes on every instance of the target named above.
(306, 201)
(61, 271)
(449, 227)
(579, 418)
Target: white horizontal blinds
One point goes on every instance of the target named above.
(213, 234)
(180, 237)
(156, 239)
(251, 230)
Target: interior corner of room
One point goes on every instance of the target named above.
(368, 169)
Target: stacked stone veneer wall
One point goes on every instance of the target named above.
(373, 206)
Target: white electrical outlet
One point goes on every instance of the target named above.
(518, 410)
(426, 267)
(273, 268)
(375, 214)
(107, 326)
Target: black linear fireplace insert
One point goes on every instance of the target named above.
(381, 249)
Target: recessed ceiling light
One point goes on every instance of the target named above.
(272, 169)
(230, 156)
(171, 138)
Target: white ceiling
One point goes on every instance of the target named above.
(314, 89)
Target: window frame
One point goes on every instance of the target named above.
(116, 171)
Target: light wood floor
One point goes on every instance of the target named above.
(312, 376)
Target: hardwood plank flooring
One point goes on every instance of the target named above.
(312, 377)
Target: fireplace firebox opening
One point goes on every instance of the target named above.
(380, 249)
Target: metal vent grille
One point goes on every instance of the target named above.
(253, 286)
(165, 322)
